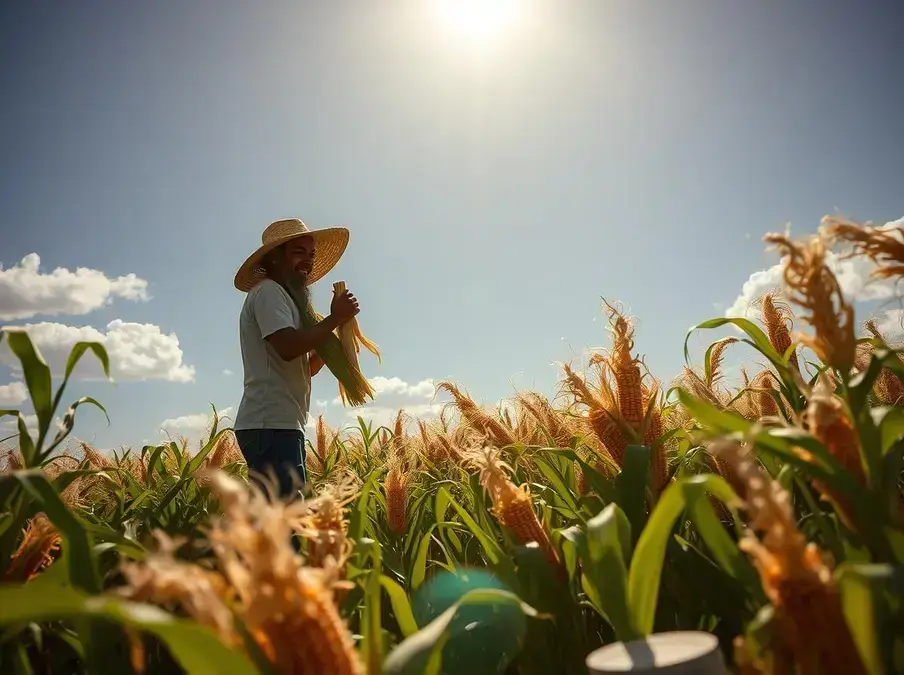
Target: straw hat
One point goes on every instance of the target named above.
(329, 243)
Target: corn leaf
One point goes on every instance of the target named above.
(631, 485)
(195, 647)
(400, 606)
(603, 550)
(38, 382)
(645, 574)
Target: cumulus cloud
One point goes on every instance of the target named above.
(390, 395)
(26, 292)
(13, 394)
(195, 427)
(891, 323)
(227, 372)
(385, 415)
(853, 276)
(137, 351)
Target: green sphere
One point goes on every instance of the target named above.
(485, 638)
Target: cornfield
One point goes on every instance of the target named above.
(514, 541)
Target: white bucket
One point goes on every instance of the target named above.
(671, 653)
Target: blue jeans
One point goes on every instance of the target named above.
(281, 451)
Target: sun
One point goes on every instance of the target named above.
(478, 20)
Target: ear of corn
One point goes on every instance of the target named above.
(352, 338)
(354, 389)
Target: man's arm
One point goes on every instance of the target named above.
(315, 363)
(290, 343)
(274, 316)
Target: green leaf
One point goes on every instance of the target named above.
(75, 355)
(194, 647)
(863, 587)
(372, 646)
(890, 421)
(422, 649)
(645, 574)
(37, 379)
(492, 549)
(419, 572)
(758, 340)
(631, 484)
(400, 606)
(26, 444)
(604, 551)
(861, 384)
(69, 422)
(358, 516)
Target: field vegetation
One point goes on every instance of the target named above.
(507, 540)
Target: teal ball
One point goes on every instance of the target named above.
(486, 637)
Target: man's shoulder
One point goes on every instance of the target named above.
(268, 289)
(264, 286)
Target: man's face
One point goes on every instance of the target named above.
(300, 255)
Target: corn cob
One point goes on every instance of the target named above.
(396, 487)
(40, 539)
(354, 388)
(715, 359)
(762, 385)
(777, 317)
(829, 424)
(512, 506)
(795, 578)
(625, 370)
(659, 470)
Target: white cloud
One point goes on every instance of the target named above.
(26, 292)
(12, 394)
(853, 277)
(390, 395)
(385, 415)
(891, 323)
(195, 427)
(396, 386)
(227, 372)
(137, 351)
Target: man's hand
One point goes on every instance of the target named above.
(315, 363)
(344, 307)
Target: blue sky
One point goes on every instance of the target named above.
(494, 189)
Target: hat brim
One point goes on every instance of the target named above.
(329, 244)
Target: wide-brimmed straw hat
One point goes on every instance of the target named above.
(329, 245)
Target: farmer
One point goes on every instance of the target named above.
(277, 353)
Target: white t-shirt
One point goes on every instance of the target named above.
(277, 393)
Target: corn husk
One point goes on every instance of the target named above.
(352, 338)
(353, 386)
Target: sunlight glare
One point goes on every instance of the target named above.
(477, 19)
